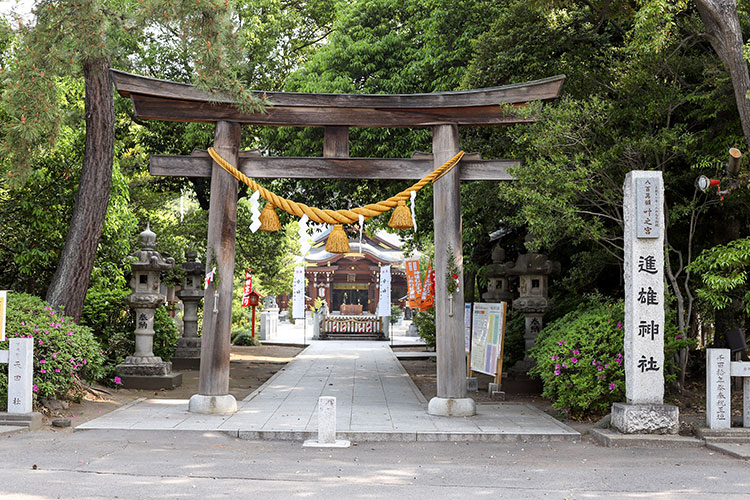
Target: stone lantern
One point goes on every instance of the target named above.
(498, 289)
(188, 352)
(144, 370)
(533, 270)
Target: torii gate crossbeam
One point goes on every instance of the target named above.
(444, 112)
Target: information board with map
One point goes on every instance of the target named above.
(487, 335)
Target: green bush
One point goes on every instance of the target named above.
(514, 347)
(241, 336)
(425, 323)
(396, 313)
(579, 357)
(66, 355)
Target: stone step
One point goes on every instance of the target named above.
(351, 336)
(32, 421)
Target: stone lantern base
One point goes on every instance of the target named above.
(148, 373)
(187, 355)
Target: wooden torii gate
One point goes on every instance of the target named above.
(444, 112)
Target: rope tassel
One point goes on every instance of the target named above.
(269, 219)
(401, 217)
(338, 241)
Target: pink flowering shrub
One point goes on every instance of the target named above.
(580, 358)
(66, 355)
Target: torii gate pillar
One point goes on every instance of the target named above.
(213, 389)
(451, 397)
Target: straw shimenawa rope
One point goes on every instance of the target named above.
(335, 216)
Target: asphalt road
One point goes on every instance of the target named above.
(168, 465)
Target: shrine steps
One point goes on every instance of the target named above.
(352, 336)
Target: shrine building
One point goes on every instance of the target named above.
(349, 282)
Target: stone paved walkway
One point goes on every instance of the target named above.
(376, 401)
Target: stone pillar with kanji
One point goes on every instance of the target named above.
(643, 211)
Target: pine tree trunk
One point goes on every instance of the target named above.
(723, 29)
(71, 279)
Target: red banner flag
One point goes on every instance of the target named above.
(248, 288)
(428, 290)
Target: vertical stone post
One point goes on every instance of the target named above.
(718, 389)
(643, 210)
(213, 392)
(20, 375)
(451, 397)
(326, 420)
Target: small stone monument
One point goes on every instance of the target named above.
(187, 355)
(144, 370)
(326, 426)
(533, 270)
(644, 411)
(20, 360)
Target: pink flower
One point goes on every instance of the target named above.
(42, 370)
(42, 360)
(70, 333)
(612, 386)
(560, 342)
(565, 365)
(41, 342)
(606, 366)
(567, 410)
(23, 323)
(54, 355)
(600, 368)
(35, 388)
(557, 372)
(118, 380)
(678, 336)
(576, 352)
(593, 363)
(574, 360)
(554, 358)
(619, 325)
(57, 370)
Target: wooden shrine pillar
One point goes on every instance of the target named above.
(451, 397)
(213, 391)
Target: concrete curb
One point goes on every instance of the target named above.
(611, 439)
(737, 450)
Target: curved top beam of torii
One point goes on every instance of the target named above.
(165, 100)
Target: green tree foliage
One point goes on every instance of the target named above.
(723, 273)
